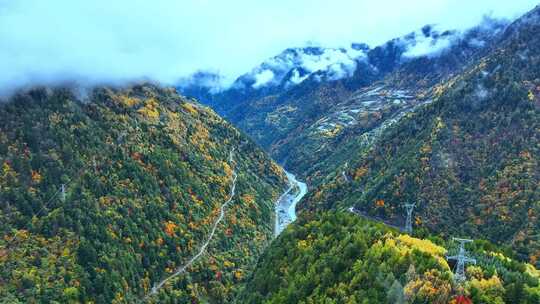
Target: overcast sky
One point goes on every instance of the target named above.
(116, 40)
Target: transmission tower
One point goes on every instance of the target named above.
(408, 223)
(63, 192)
(461, 259)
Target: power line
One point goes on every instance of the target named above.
(61, 190)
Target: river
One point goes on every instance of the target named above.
(286, 204)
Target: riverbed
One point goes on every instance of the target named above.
(286, 204)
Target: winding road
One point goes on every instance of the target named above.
(285, 214)
(202, 250)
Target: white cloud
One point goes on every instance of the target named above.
(429, 46)
(46, 41)
(336, 63)
(263, 78)
(330, 57)
(296, 78)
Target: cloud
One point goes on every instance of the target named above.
(431, 41)
(296, 78)
(204, 79)
(339, 62)
(262, 78)
(429, 46)
(301, 63)
(97, 41)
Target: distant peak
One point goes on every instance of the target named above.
(426, 30)
(360, 46)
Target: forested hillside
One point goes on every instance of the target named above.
(136, 194)
(469, 159)
(145, 173)
(367, 104)
(338, 257)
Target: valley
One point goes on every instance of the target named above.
(454, 132)
(404, 171)
(286, 204)
(446, 130)
(285, 215)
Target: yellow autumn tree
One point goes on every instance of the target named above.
(249, 199)
(431, 287)
(490, 289)
(150, 109)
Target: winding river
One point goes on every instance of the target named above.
(286, 204)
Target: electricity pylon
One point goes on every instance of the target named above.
(63, 193)
(461, 259)
(408, 223)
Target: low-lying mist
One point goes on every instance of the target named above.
(114, 42)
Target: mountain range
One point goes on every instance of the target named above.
(429, 111)
(145, 194)
(334, 95)
(457, 134)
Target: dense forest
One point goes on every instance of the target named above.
(144, 173)
(338, 257)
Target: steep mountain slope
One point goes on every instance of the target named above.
(364, 107)
(340, 258)
(353, 121)
(301, 124)
(145, 175)
(469, 159)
